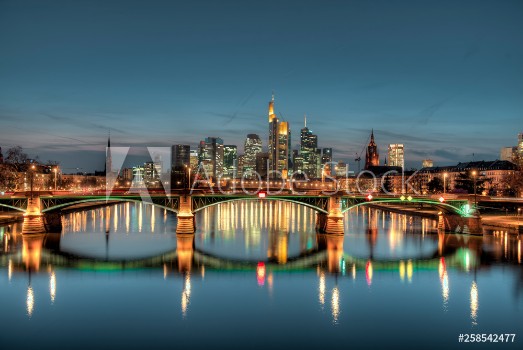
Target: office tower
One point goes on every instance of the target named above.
(240, 166)
(210, 157)
(253, 146)
(308, 146)
(127, 174)
(372, 157)
(297, 161)
(193, 160)
(262, 160)
(396, 155)
(273, 137)
(180, 160)
(284, 139)
(230, 161)
(138, 176)
(326, 156)
(519, 153)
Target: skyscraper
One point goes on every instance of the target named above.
(262, 158)
(396, 155)
(230, 161)
(253, 146)
(284, 139)
(372, 157)
(308, 146)
(1, 156)
(210, 157)
(180, 159)
(273, 138)
(519, 153)
(326, 156)
(193, 160)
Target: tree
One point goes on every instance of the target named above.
(465, 181)
(435, 185)
(11, 172)
(512, 183)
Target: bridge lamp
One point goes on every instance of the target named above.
(409, 198)
(369, 197)
(441, 199)
(402, 198)
(262, 195)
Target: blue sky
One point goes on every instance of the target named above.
(443, 77)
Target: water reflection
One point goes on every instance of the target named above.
(243, 237)
(474, 303)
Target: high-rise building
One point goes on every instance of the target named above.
(138, 177)
(396, 155)
(262, 160)
(1, 156)
(326, 156)
(427, 163)
(297, 161)
(230, 161)
(240, 166)
(308, 146)
(280, 156)
(127, 174)
(284, 143)
(372, 157)
(210, 157)
(193, 160)
(151, 177)
(253, 146)
(273, 138)
(507, 153)
(180, 160)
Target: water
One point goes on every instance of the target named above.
(255, 274)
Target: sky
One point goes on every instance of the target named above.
(445, 78)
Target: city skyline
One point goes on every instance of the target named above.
(446, 84)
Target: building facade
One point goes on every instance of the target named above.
(252, 146)
(230, 161)
(396, 155)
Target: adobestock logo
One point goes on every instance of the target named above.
(159, 176)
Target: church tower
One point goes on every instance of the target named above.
(372, 157)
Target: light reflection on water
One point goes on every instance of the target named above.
(264, 257)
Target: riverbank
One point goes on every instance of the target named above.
(489, 221)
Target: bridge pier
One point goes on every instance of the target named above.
(332, 222)
(185, 216)
(459, 224)
(33, 218)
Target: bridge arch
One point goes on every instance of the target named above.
(102, 200)
(299, 201)
(444, 207)
(12, 207)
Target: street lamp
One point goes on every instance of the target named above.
(445, 182)
(32, 175)
(474, 173)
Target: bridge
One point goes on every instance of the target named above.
(43, 213)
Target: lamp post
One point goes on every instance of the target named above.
(474, 173)
(519, 212)
(32, 175)
(445, 182)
